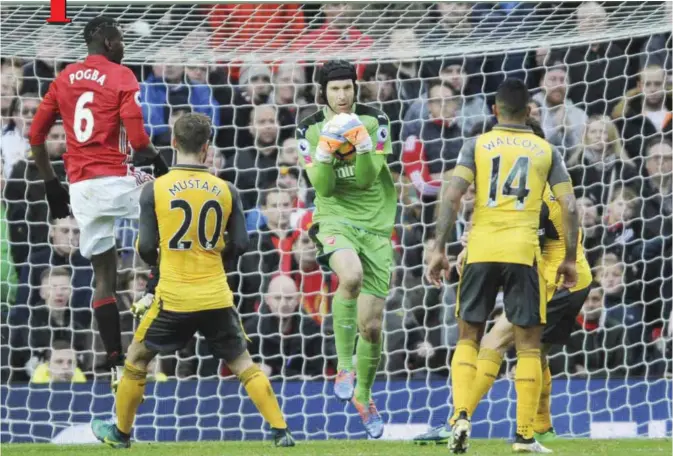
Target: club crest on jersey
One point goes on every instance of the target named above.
(330, 240)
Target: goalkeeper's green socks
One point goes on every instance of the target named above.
(369, 355)
(344, 314)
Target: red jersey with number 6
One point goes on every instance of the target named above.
(99, 102)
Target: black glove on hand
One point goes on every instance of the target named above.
(160, 166)
(57, 198)
(153, 280)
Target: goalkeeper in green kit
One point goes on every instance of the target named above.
(344, 150)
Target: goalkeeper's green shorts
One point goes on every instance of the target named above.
(375, 252)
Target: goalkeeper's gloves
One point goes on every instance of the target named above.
(330, 141)
(356, 134)
(57, 198)
(139, 307)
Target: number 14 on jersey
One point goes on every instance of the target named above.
(515, 185)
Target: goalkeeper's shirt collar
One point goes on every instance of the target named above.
(327, 111)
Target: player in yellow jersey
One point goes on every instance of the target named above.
(510, 167)
(184, 220)
(562, 309)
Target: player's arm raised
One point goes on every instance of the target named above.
(562, 188)
(317, 156)
(238, 239)
(462, 177)
(132, 118)
(147, 243)
(57, 196)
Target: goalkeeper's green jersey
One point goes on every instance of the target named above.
(372, 209)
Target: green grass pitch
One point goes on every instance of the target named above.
(561, 447)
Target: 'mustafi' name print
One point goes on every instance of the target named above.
(191, 184)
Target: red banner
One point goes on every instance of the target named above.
(57, 13)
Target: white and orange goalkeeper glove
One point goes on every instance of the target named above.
(330, 140)
(356, 134)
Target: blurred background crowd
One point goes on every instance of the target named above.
(606, 105)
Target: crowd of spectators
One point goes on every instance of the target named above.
(606, 106)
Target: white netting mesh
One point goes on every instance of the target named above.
(182, 30)
(582, 62)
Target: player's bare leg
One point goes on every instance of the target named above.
(528, 381)
(259, 390)
(347, 267)
(129, 396)
(105, 305)
(370, 322)
(463, 370)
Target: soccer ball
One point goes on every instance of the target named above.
(345, 152)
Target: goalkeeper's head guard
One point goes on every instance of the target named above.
(336, 70)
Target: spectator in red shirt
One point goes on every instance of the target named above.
(336, 32)
(255, 26)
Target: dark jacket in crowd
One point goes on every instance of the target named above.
(250, 171)
(37, 77)
(34, 337)
(597, 178)
(603, 350)
(441, 140)
(301, 350)
(255, 269)
(596, 73)
(27, 210)
(45, 257)
(635, 128)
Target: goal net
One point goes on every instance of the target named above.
(600, 76)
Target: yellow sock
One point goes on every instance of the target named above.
(542, 421)
(488, 366)
(463, 370)
(528, 385)
(259, 389)
(129, 396)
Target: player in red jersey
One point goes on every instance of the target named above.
(98, 100)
